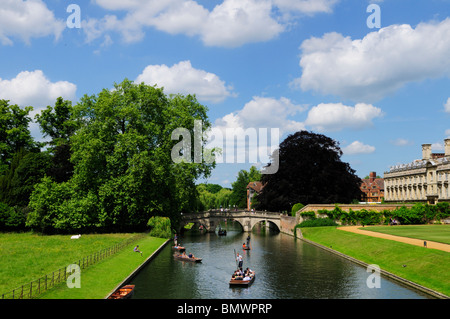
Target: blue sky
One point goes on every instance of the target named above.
(286, 64)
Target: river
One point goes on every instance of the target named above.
(286, 268)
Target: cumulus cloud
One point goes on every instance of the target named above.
(264, 112)
(401, 142)
(337, 116)
(383, 61)
(257, 128)
(35, 89)
(185, 79)
(229, 24)
(26, 20)
(358, 147)
(447, 133)
(447, 106)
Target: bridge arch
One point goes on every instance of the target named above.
(248, 220)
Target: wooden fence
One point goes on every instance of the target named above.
(35, 287)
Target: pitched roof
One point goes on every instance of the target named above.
(257, 186)
(378, 182)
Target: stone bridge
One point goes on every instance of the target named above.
(211, 219)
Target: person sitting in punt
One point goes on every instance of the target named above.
(243, 246)
(191, 255)
(238, 275)
(247, 277)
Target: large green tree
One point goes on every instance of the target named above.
(14, 132)
(123, 169)
(58, 123)
(239, 187)
(310, 171)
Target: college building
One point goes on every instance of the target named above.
(424, 180)
(372, 189)
(252, 189)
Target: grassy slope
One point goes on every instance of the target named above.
(427, 267)
(25, 257)
(99, 280)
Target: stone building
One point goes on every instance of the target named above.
(424, 180)
(372, 189)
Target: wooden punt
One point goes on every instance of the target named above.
(242, 283)
(193, 259)
(222, 232)
(179, 248)
(123, 293)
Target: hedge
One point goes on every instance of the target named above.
(418, 214)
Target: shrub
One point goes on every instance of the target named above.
(296, 208)
(318, 222)
(160, 227)
(308, 214)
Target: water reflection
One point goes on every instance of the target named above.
(286, 268)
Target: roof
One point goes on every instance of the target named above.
(257, 186)
(378, 182)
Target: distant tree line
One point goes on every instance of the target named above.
(106, 165)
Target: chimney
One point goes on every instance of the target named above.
(372, 176)
(447, 146)
(426, 151)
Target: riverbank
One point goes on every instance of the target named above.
(425, 267)
(98, 281)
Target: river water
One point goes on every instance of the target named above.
(286, 268)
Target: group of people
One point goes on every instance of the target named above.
(245, 275)
(178, 245)
(393, 221)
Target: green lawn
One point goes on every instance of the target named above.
(25, 257)
(437, 233)
(427, 267)
(100, 279)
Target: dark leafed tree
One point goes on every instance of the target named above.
(57, 123)
(310, 171)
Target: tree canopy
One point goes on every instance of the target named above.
(119, 143)
(310, 171)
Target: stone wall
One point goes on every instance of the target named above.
(287, 224)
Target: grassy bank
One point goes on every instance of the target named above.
(426, 267)
(100, 279)
(437, 233)
(24, 257)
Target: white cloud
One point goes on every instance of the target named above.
(35, 89)
(447, 106)
(401, 142)
(236, 22)
(183, 78)
(257, 128)
(305, 6)
(357, 147)
(447, 133)
(229, 24)
(264, 112)
(383, 61)
(336, 116)
(26, 20)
